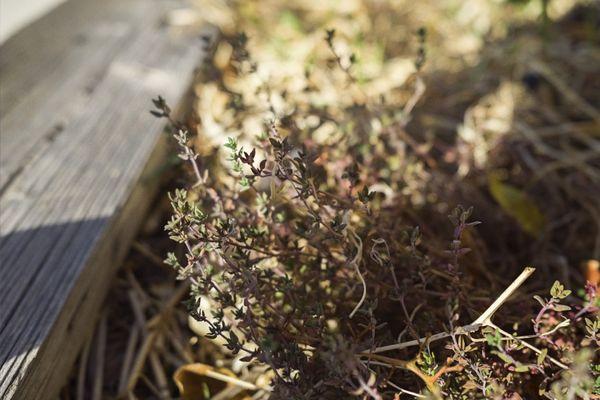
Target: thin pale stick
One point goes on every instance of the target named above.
(355, 262)
(140, 360)
(159, 375)
(479, 322)
(524, 343)
(491, 310)
(129, 351)
(231, 379)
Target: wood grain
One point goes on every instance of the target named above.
(76, 139)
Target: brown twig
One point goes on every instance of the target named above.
(83, 363)
(140, 360)
(181, 291)
(99, 360)
(485, 319)
(159, 375)
(149, 254)
(129, 352)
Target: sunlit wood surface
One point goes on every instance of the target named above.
(77, 150)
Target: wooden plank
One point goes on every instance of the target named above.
(53, 67)
(71, 204)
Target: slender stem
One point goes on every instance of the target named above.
(524, 343)
(196, 171)
(491, 310)
(355, 262)
(483, 320)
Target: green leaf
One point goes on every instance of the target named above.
(542, 356)
(556, 289)
(522, 368)
(517, 204)
(231, 143)
(561, 308)
(540, 300)
(503, 357)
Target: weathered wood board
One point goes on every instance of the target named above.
(76, 139)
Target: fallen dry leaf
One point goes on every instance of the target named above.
(591, 271)
(202, 382)
(517, 204)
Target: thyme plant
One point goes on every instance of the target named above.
(306, 253)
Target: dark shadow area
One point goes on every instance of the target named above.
(50, 277)
(526, 115)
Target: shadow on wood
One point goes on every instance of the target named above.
(77, 144)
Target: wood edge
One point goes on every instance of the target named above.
(48, 371)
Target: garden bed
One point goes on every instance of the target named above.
(497, 110)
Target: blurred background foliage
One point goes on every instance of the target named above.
(507, 119)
